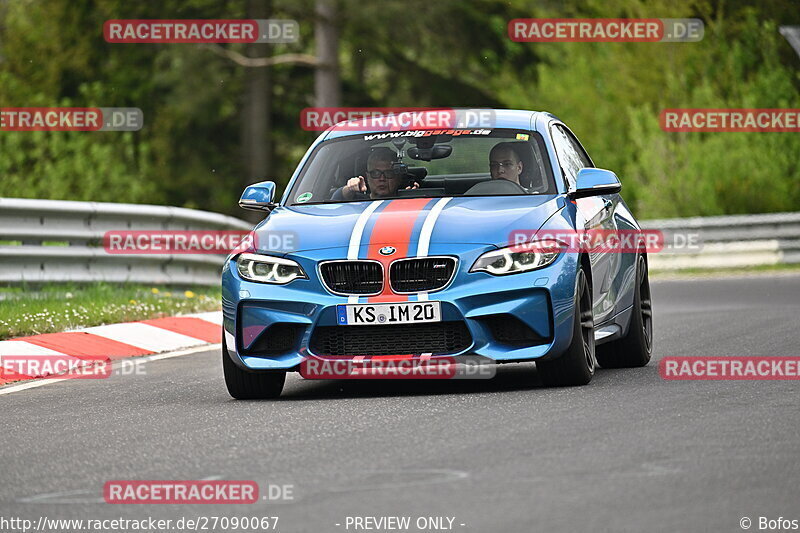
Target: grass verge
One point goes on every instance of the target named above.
(53, 308)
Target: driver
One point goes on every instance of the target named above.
(504, 163)
(382, 179)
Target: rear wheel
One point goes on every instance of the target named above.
(576, 365)
(636, 347)
(245, 385)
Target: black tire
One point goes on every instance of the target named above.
(636, 347)
(577, 364)
(244, 385)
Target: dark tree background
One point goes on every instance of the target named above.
(220, 116)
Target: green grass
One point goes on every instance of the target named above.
(53, 308)
(719, 272)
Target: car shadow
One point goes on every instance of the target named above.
(510, 377)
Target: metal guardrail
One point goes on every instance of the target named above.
(61, 241)
(77, 229)
(731, 241)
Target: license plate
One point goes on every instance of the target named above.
(382, 314)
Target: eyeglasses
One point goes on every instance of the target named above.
(387, 174)
(495, 165)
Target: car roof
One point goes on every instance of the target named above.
(502, 118)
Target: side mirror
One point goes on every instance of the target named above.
(259, 197)
(596, 181)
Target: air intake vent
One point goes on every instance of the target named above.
(508, 329)
(402, 339)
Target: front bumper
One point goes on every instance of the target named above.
(272, 327)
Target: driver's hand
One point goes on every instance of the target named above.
(414, 186)
(354, 185)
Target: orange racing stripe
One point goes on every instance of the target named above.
(394, 227)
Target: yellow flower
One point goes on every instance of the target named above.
(154, 290)
(132, 301)
(189, 294)
(167, 294)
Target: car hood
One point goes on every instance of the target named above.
(476, 220)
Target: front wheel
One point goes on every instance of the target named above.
(244, 385)
(636, 347)
(576, 365)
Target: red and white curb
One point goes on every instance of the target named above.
(115, 341)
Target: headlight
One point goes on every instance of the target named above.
(268, 269)
(519, 258)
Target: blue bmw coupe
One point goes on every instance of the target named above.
(437, 243)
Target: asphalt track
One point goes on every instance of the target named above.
(629, 452)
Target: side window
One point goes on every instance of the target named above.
(571, 156)
(585, 160)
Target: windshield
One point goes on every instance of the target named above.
(425, 164)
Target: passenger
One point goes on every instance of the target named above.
(504, 163)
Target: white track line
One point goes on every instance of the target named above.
(11, 348)
(8, 389)
(16, 387)
(144, 336)
(215, 317)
